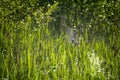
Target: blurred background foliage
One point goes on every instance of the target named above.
(100, 18)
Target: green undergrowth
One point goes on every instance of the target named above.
(30, 50)
(35, 54)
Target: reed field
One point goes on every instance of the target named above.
(31, 50)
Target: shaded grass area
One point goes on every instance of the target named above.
(33, 53)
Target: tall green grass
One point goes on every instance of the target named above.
(31, 52)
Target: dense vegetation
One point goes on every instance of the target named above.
(34, 44)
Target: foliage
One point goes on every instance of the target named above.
(33, 44)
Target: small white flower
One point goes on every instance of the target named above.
(48, 5)
(74, 26)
